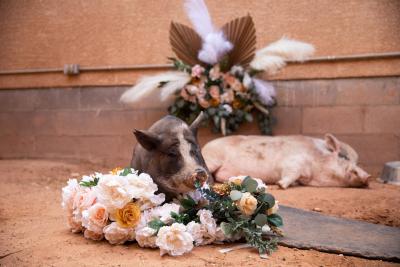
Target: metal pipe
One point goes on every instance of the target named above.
(74, 69)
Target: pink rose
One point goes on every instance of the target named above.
(215, 73)
(95, 218)
(214, 91)
(197, 70)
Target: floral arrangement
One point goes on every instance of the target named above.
(218, 71)
(123, 206)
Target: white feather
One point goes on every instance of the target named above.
(265, 91)
(289, 49)
(198, 14)
(215, 46)
(273, 57)
(269, 63)
(147, 92)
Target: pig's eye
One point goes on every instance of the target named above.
(172, 153)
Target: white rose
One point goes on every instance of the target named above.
(247, 81)
(219, 235)
(142, 185)
(74, 225)
(174, 240)
(146, 237)
(153, 201)
(83, 199)
(197, 231)
(95, 218)
(164, 212)
(114, 192)
(93, 235)
(68, 193)
(210, 226)
(117, 235)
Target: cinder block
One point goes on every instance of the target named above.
(306, 93)
(374, 149)
(333, 120)
(382, 119)
(374, 91)
(17, 146)
(18, 99)
(99, 98)
(57, 98)
(288, 120)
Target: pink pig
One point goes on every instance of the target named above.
(284, 160)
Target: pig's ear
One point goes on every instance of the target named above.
(148, 140)
(332, 143)
(196, 123)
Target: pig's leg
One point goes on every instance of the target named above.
(288, 178)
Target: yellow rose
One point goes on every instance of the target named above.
(237, 181)
(247, 204)
(274, 209)
(115, 170)
(128, 216)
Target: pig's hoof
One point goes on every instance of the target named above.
(283, 185)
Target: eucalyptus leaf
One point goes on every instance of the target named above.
(249, 184)
(261, 219)
(235, 195)
(275, 220)
(226, 228)
(156, 224)
(267, 198)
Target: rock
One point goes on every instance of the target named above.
(391, 173)
(312, 230)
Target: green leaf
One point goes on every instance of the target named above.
(156, 224)
(267, 198)
(94, 182)
(126, 171)
(235, 195)
(188, 203)
(249, 184)
(275, 220)
(261, 219)
(226, 228)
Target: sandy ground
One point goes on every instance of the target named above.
(33, 231)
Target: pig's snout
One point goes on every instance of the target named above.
(200, 175)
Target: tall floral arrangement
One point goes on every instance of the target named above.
(218, 70)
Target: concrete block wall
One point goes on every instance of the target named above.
(89, 123)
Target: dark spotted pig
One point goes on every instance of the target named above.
(170, 153)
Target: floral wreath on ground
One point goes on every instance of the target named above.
(123, 206)
(218, 71)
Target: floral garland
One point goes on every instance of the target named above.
(122, 206)
(228, 98)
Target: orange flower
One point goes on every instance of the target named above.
(115, 170)
(128, 216)
(236, 104)
(214, 102)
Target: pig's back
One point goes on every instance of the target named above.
(258, 156)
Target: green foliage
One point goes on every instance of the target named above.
(275, 220)
(156, 224)
(179, 65)
(249, 184)
(91, 183)
(126, 171)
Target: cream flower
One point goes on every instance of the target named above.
(164, 212)
(274, 209)
(215, 73)
(68, 193)
(95, 218)
(174, 240)
(210, 226)
(74, 225)
(83, 199)
(247, 204)
(93, 235)
(114, 191)
(153, 201)
(197, 231)
(143, 186)
(146, 237)
(214, 91)
(117, 235)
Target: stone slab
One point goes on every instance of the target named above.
(312, 230)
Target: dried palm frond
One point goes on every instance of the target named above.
(154, 91)
(185, 43)
(242, 34)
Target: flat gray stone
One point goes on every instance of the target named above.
(312, 230)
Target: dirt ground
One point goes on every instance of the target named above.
(33, 231)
